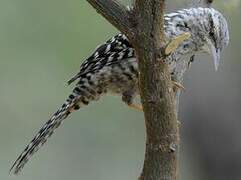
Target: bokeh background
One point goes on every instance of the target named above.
(41, 46)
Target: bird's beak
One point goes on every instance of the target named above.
(216, 56)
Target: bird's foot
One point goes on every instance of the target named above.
(178, 85)
(136, 107)
(179, 123)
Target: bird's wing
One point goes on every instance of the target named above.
(111, 52)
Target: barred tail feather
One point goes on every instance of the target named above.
(47, 130)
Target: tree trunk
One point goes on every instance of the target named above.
(143, 25)
(156, 94)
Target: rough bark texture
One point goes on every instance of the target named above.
(156, 94)
(144, 26)
(117, 14)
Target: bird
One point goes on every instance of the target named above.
(113, 67)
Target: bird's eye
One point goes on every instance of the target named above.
(182, 25)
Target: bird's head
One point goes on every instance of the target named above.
(216, 35)
(208, 29)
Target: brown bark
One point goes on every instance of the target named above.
(117, 14)
(144, 26)
(156, 94)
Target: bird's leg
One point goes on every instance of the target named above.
(127, 97)
(136, 107)
(176, 88)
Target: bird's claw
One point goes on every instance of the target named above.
(178, 85)
(136, 107)
(179, 123)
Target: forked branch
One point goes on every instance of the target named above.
(144, 26)
(116, 13)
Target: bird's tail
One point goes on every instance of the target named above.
(80, 96)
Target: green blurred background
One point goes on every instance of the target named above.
(41, 46)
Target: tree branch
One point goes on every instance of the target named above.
(156, 94)
(156, 90)
(116, 13)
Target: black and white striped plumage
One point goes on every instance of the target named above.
(112, 68)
